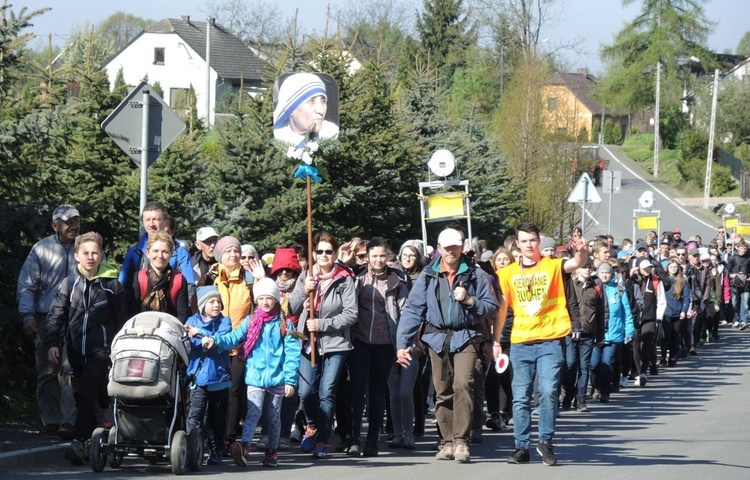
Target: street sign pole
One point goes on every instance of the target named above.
(611, 192)
(583, 204)
(144, 147)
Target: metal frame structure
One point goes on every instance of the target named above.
(433, 185)
(636, 211)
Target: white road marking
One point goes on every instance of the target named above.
(658, 191)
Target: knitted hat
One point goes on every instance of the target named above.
(547, 242)
(285, 258)
(266, 286)
(604, 267)
(417, 244)
(223, 244)
(294, 91)
(205, 294)
(245, 249)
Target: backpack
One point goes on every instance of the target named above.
(174, 285)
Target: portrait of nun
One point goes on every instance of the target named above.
(306, 107)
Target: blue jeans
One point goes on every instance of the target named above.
(739, 302)
(603, 366)
(578, 363)
(262, 402)
(317, 391)
(211, 406)
(528, 360)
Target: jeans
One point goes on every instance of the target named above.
(54, 394)
(454, 406)
(369, 366)
(602, 366)
(739, 302)
(643, 346)
(317, 391)
(212, 406)
(578, 364)
(528, 360)
(237, 398)
(401, 383)
(261, 401)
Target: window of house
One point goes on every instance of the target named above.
(552, 103)
(158, 56)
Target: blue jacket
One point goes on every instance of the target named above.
(273, 361)
(136, 258)
(423, 305)
(675, 306)
(214, 370)
(618, 318)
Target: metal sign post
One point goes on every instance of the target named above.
(583, 192)
(612, 184)
(144, 147)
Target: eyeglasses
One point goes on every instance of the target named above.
(321, 252)
(248, 257)
(681, 254)
(361, 256)
(408, 255)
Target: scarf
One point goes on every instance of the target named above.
(284, 289)
(322, 283)
(258, 319)
(156, 299)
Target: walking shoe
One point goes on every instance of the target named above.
(262, 443)
(548, 455)
(320, 451)
(445, 453)
(723, 322)
(494, 422)
(461, 453)
(476, 435)
(582, 407)
(284, 444)
(74, 453)
(354, 449)
(371, 449)
(65, 431)
(623, 382)
(409, 442)
(295, 436)
(308, 441)
(519, 455)
(397, 442)
(535, 412)
(239, 453)
(271, 459)
(214, 458)
(742, 326)
(672, 363)
(735, 324)
(693, 351)
(345, 445)
(641, 380)
(653, 370)
(604, 398)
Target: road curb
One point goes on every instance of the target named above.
(31, 456)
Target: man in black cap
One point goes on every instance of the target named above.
(49, 262)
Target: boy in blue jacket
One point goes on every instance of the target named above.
(209, 371)
(272, 361)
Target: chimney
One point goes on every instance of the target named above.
(186, 18)
(583, 71)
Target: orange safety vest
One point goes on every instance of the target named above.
(537, 297)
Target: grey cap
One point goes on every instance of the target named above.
(547, 242)
(65, 213)
(604, 267)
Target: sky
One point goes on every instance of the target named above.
(594, 21)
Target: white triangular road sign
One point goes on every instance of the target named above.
(584, 191)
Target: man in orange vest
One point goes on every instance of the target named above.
(534, 288)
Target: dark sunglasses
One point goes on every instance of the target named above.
(321, 252)
(361, 255)
(247, 257)
(680, 254)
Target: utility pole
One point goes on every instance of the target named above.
(656, 106)
(710, 160)
(209, 22)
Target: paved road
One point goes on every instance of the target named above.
(691, 220)
(689, 423)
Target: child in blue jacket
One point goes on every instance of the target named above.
(273, 357)
(209, 371)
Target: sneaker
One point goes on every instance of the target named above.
(271, 459)
(641, 380)
(320, 451)
(397, 442)
(723, 322)
(604, 398)
(345, 445)
(308, 441)
(295, 436)
(742, 326)
(371, 449)
(494, 422)
(239, 453)
(548, 455)
(409, 442)
(445, 453)
(693, 351)
(595, 394)
(461, 453)
(519, 455)
(214, 458)
(262, 443)
(284, 444)
(74, 453)
(582, 407)
(535, 412)
(354, 450)
(476, 436)
(65, 431)
(653, 370)
(735, 324)
(623, 382)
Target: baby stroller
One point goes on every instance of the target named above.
(149, 388)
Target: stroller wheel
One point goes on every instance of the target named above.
(98, 453)
(114, 459)
(178, 452)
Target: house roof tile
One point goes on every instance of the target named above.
(580, 85)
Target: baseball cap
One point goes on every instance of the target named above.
(677, 230)
(205, 233)
(65, 213)
(449, 238)
(641, 245)
(705, 256)
(645, 264)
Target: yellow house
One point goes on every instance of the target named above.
(569, 106)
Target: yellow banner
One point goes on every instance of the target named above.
(648, 223)
(445, 205)
(731, 222)
(743, 229)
